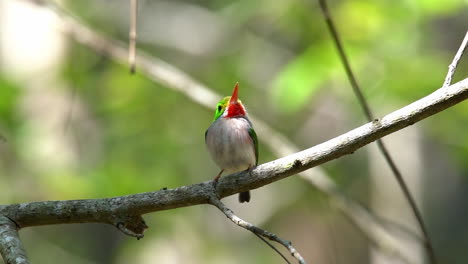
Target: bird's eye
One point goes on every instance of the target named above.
(220, 107)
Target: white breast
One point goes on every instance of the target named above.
(230, 144)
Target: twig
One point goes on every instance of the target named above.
(256, 230)
(367, 111)
(132, 35)
(272, 247)
(11, 247)
(344, 60)
(131, 225)
(453, 66)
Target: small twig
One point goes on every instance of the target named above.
(132, 35)
(11, 247)
(367, 111)
(453, 66)
(123, 228)
(344, 59)
(256, 230)
(272, 247)
(133, 226)
(399, 228)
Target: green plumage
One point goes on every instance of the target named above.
(253, 135)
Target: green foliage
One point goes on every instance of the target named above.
(301, 78)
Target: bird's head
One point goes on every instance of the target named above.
(230, 106)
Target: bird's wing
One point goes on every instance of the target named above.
(253, 135)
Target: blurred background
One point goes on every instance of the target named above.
(77, 125)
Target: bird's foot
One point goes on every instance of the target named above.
(215, 180)
(249, 169)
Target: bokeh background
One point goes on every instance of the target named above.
(77, 125)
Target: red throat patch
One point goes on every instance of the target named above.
(235, 109)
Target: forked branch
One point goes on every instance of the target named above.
(256, 230)
(11, 247)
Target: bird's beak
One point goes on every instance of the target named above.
(234, 95)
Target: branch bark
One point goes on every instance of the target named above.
(11, 248)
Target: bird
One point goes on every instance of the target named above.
(231, 139)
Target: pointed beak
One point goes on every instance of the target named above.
(234, 96)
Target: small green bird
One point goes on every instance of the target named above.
(231, 139)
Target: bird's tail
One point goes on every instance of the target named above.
(244, 197)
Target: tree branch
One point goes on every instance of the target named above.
(272, 247)
(453, 66)
(11, 248)
(256, 230)
(127, 209)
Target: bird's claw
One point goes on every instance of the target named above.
(215, 180)
(215, 183)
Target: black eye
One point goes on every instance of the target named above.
(220, 107)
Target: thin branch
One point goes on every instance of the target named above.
(453, 66)
(367, 111)
(128, 209)
(344, 59)
(132, 35)
(272, 247)
(11, 247)
(256, 230)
